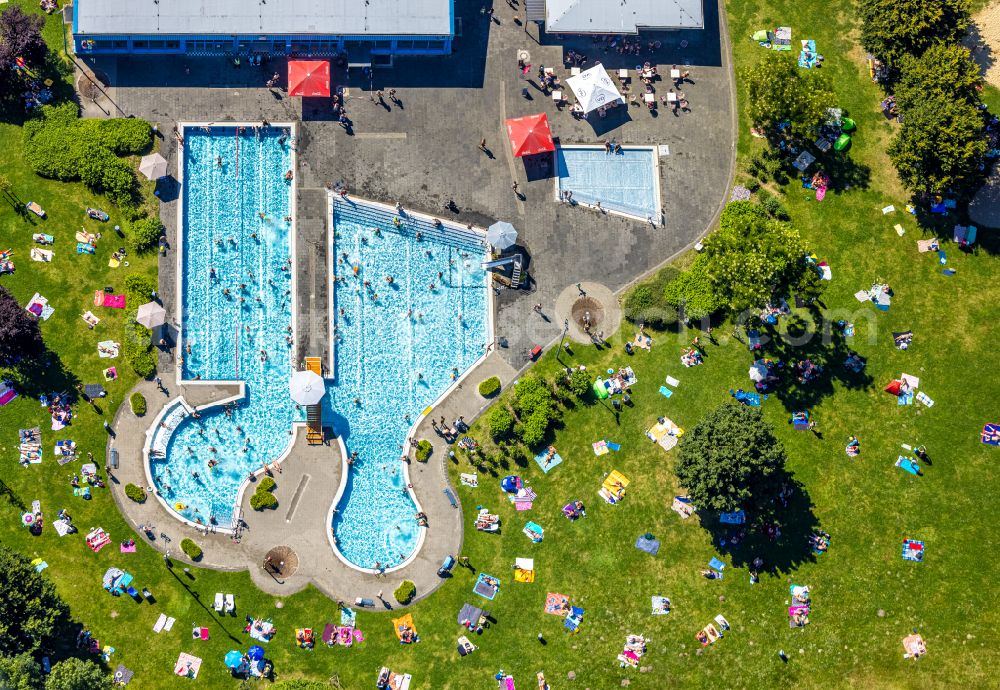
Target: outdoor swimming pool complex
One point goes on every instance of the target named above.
(229, 179)
(626, 182)
(399, 346)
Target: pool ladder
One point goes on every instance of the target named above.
(314, 413)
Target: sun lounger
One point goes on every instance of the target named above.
(218, 605)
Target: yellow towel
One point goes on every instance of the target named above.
(404, 622)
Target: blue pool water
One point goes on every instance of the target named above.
(226, 333)
(398, 347)
(627, 182)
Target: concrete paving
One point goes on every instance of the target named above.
(423, 152)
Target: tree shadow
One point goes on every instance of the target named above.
(798, 339)
(781, 551)
(44, 375)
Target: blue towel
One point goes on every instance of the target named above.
(908, 464)
(540, 460)
(650, 546)
(612, 446)
(949, 272)
(665, 392)
(716, 564)
(942, 257)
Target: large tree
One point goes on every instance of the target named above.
(731, 461)
(31, 612)
(21, 37)
(20, 672)
(941, 148)
(943, 72)
(20, 337)
(778, 91)
(77, 674)
(753, 258)
(893, 29)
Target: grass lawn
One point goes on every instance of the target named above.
(866, 504)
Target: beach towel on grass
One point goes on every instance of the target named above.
(39, 306)
(661, 606)
(103, 299)
(540, 460)
(924, 400)
(665, 392)
(348, 617)
(990, 435)
(908, 464)
(600, 448)
(924, 246)
(671, 381)
(650, 546)
(107, 349)
(556, 604)
(471, 480)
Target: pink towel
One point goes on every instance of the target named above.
(358, 636)
(127, 549)
(523, 505)
(114, 301)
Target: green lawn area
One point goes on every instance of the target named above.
(866, 504)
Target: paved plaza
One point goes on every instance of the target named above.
(423, 153)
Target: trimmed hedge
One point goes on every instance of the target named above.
(579, 383)
(136, 493)
(262, 500)
(405, 592)
(136, 339)
(61, 146)
(424, 450)
(266, 484)
(489, 387)
(192, 550)
(138, 404)
(144, 234)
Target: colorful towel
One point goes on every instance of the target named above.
(348, 617)
(661, 606)
(913, 550)
(922, 398)
(990, 435)
(107, 349)
(470, 480)
(600, 448)
(556, 604)
(103, 299)
(127, 548)
(546, 463)
(523, 505)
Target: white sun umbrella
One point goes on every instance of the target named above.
(501, 235)
(151, 315)
(153, 166)
(307, 387)
(594, 88)
(758, 372)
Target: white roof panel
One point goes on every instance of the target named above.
(622, 16)
(265, 17)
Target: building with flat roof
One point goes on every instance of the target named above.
(616, 16)
(361, 28)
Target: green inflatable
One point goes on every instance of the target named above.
(847, 125)
(843, 141)
(599, 389)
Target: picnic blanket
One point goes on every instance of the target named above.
(781, 39)
(469, 615)
(486, 586)
(650, 546)
(807, 56)
(108, 349)
(913, 550)
(187, 666)
(556, 604)
(664, 433)
(123, 676)
(90, 318)
(661, 606)
(990, 435)
(39, 306)
(543, 460)
(103, 299)
(7, 393)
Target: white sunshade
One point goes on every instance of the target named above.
(307, 387)
(594, 88)
(758, 372)
(501, 235)
(151, 315)
(153, 166)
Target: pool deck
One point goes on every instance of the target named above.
(305, 489)
(421, 154)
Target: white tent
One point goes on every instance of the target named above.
(594, 88)
(153, 166)
(307, 387)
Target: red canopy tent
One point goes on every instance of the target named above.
(530, 135)
(309, 78)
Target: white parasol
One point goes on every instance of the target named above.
(151, 315)
(594, 88)
(153, 166)
(501, 235)
(307, 387)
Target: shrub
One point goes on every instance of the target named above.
(192, 550)
(136, 493)
(644, 303)
(500, 421)
(266, 484)
(489, 387)
(693, 293)
(144, 234)
(263, 499)
(579, 383)
(138, 289)
(137, 350)
(405, 592)
(125, 136)
(138, 404)
(424, 449)
(533, 429)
